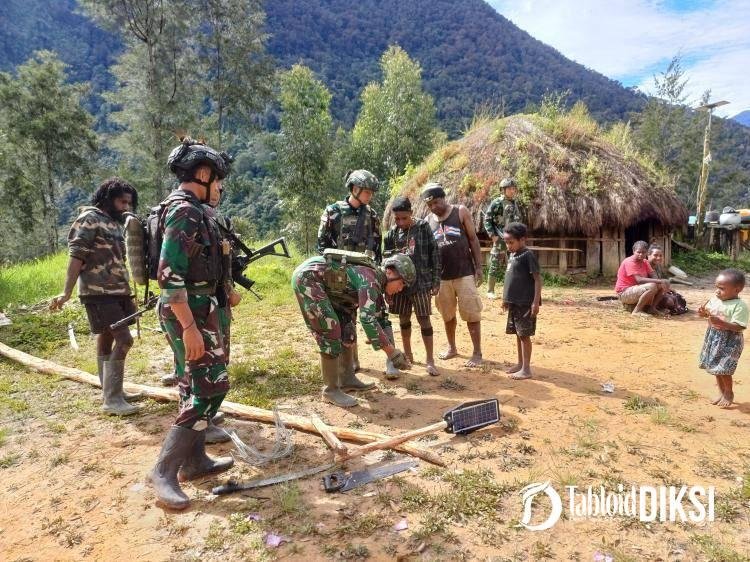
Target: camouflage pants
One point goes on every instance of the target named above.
(202, 383)
(498, 258)
(330, 325)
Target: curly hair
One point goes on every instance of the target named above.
(112, 188)
(517, 230)
(734, 276)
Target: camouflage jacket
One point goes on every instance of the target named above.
(338, 229)
(501, 213)
(419, 244)
(190, 259)
(350, 287)
(98, 241)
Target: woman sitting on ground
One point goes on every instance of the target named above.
(671, 302)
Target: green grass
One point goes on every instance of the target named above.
(30, 282)
(698, 262)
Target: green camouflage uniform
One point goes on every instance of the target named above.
(97, 240)
(500, 213)
(329, 294)
(338, 229)
(189, 271)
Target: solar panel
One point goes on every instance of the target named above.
(470, 416)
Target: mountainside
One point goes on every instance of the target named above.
(470, 55)
(743, 118)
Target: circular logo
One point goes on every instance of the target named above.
(528, 494)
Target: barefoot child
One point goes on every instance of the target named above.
(522, 295)
(722, 346)
(414, 238)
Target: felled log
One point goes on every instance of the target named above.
(241, 411)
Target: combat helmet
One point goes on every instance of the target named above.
(362, 179)
(190, 154)
(507, 182)
(404, 266)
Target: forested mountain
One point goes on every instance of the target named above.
(470, 55)
(743, 118)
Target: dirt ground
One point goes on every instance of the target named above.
(72, 480)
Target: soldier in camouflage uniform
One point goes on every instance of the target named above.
(330, 289)
(351, 224)
(190, 271)
(501, 212)
(97, 261)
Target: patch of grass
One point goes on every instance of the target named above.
(449, 383)
(241, 525)
(30, 282)
(6, 461)
(3, 435)
(700, 262)
(288, 499)
(432, 524)
(355, 552)
(714, 551)
(660, 416)
(261, 381)
(216, 539)
(413, 387)
(640, 404)
(59, 459)
(541, 551)
(44, 332)
(363, 525)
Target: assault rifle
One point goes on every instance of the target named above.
(240, 261)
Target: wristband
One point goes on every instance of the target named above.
(189, 325)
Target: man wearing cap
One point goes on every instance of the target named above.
(460, 271)
(413, 237)
(501, 212)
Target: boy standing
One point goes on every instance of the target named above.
(413, 237)
(522, 295)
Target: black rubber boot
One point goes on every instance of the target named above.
(163, 477)
(113, 373)
(329, 369)
(198, 463)
(347, 379)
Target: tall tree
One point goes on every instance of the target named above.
(237, 72)
(397, 123)
(156, 76)
(48, 140)
(304, 151)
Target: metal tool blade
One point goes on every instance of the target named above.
(362, 477)
(233, 486)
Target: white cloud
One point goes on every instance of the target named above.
(628, 39)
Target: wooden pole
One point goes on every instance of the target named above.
(393, 442)
(331, 440)
(242, 411)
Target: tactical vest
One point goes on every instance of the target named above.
(204, 256)
(335, 276)
(356, 229)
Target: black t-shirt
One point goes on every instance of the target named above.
(518, 287)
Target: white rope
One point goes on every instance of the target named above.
(282, 447)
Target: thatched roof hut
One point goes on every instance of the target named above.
(586, 193)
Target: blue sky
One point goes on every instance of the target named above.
(631, 40)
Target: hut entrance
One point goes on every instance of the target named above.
(638, 231)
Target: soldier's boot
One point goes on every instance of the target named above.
(355, 360)
(347, 379)
(113, 373)
(391, 372)
(198, 463)
(329, 369)
(215, 434)
(100, 360)
(169, 380)
(163, 477)
(491, 280)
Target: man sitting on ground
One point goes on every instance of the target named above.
(637, 283)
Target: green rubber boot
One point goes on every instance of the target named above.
(329, 369)
(347, 378)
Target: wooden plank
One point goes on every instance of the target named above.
(553, 249)
(240, 410)
(610, 254)
(563, 258)
(593, 256)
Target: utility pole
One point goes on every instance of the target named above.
(703, 182)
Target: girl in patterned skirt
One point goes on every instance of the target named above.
(727, 317)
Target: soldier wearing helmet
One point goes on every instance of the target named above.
(501, 212)
(351, 224)
(330, 290)
(189, 275)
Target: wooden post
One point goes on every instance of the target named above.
(593, 257)
(563, 260)
(610, 252)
